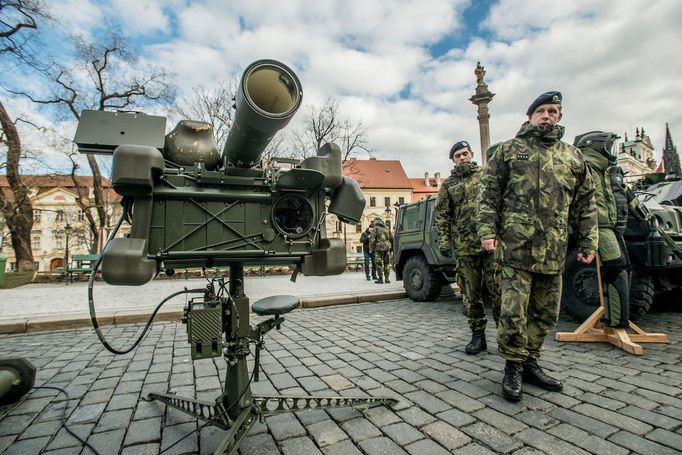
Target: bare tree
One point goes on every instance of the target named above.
(18, 18)
(16, 202)
(320, 125)
(353, 137)
(212, 105)
(107, 75)
(325, 124)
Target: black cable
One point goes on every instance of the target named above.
(91, 301)
(63, 416)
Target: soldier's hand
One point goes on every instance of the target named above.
(445, 252)
(585, 259)
(490, 244)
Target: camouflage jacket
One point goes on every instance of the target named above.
(532, 189)
(612, 205)
(608, 205)
(456, 211)
(380, 239)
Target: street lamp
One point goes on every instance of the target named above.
(67, 231)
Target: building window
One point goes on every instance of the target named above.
(36, 216)
(59, 239)
(13, 267)
(401, 200)
(358, 228)
(358, 249)
(387, 201)
(81, 215)
(339, 226)
(35, 240)
(60, 217)
(372, 201)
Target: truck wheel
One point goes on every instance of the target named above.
(421, 283)
(641, 294)
(580, 292)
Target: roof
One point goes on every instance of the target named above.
(45, 183)
(52, 181)
(418, 185)
(375, 173)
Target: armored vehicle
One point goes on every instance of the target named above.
(416, 256)
(654, 247)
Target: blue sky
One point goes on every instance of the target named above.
(405, 68)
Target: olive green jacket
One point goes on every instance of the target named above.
(456, 208)
(607, 207)
(380, 239)
(532, 189)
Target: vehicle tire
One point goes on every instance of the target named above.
(421, 282)
(641, 294)
(580, 293)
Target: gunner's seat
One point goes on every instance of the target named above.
(276, 305)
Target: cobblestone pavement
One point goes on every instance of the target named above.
(612, 402)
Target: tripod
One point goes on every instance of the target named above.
(222, 311)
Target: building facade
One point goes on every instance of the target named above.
(384, 185)
(636, 157)
(58, 220)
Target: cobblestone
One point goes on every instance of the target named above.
(612, 403)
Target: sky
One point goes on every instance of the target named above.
(405, 68)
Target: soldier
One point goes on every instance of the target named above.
(612, 205)
(380, 243)
(456, 225)
(529, 186)
(369, 257)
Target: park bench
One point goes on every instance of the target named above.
(80, 263)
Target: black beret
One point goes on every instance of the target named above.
(545, 98)
(459, 146)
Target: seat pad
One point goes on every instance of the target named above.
(276, 304)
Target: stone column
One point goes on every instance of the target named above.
(481, 98)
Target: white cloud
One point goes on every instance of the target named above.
(76, 15)
(617, 63)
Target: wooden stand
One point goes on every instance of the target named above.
(593, 330)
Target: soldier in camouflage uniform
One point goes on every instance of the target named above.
(456, 224)
(612, 205)
(380, 242)
(529, 186)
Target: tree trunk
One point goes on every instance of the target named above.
(83, 203)
(16, 204)
(98, 193)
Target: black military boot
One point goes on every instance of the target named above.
(533, 374)
(386, 280)
(368, 278)
(380, 281)
(511, 383)
(477, 343)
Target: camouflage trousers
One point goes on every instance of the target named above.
(529, 309)
(383, 263)
(615, 277)
(478, 275)
(616, 284)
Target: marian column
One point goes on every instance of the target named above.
(481, 99)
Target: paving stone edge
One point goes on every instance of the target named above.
(65, 322)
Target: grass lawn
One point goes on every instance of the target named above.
(15, 279)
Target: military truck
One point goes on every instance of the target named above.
(656, 268)
(416, 256)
